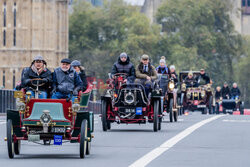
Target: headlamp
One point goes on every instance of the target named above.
(76, 107)
(171, 85)
(129, 98)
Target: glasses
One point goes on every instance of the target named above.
(123, 57)
(38, 61)
(144, 59)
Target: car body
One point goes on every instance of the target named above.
(130, 105)
(229, 106)
(49, 120)
(196, 97)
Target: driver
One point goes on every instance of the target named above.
(190, 80)
(37, 70)
(123, 65)
(203, 78)
(145, 73)
(235, 91)
(66, 81)
(162, 68)
(226, 94)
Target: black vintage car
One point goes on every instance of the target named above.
(128, 104)
(197, 97)
(231, 105)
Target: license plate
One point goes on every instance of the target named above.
(139, 111)
(33, 138)
(128, 110)
(229, 110)
(201, 106)
(58, 130)
(57, 140)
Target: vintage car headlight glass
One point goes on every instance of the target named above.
(75, 107)
(171, 85)
(208, 87)
(20, 106)
(183, 87)
(188, 95)
(129, 98)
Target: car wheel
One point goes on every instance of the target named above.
(175, 116)
(179, 103)
(204, 111)
(17, 147)
(156, 114)
(10, 142)
(242, 109)
(88, 148)
(104, 116)
(210, 107)
(171, 110)
(83, 138)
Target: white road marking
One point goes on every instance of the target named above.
(146, 159)
(241, 121)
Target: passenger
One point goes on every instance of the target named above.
(80, 71)
(226, 94)
(145, 74)
(218, 93)
(190, 80)
(37, 70)
(235, 91)
(66, 82)
(162, 68)
(172, 73)
(203, 78)
(123, 65)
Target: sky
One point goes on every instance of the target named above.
(135, 2)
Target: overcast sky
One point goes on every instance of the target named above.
(135, 2)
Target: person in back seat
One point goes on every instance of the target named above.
(80, 71)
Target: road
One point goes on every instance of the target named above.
(217, 141)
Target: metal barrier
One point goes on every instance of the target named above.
(7, 100)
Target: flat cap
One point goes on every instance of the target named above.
(75, 63)
(38, 57)
(65, 61)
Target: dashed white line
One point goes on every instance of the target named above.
(146, 159)
(240, 121)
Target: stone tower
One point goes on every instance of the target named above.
(29, 28)
(150, 7)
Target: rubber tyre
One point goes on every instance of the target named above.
(104, 115)
(156, 113)
(204, 111)
(171, 110)
(46, 142)
(88, 148)
(83, 138)
(241, 109)
(179, 103)
(210, 107)
(17, 147)
(175, 116)
(10, 143)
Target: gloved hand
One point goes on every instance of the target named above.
(75, 92)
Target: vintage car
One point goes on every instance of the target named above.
(229, 106)
(170, 90)
(49, 120)
(197, 97)
(128, 104)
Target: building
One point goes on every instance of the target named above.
(29, 28)
(240, 14)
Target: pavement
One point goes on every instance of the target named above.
(196, 140)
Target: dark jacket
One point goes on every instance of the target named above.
(225, 92)
(84, 80)
(143, 75)
(190, 82)
(162, 70)
(235, 91)
(203, 79)
(176, 76)
(66, 82)
(218, 95)
(124, 67)
(28, 74)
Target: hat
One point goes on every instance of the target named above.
(144, 57)
(75, 63)
(38, 57)
(65, 61)
(163, 61)
(225, 83)
(202, 69)
(172, 67)
(190, 73)
(123, 55)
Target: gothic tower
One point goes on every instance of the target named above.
(29, 28)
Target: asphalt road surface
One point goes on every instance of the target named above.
(195, 141)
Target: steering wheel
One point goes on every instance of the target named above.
(37, 82)
(124, 75)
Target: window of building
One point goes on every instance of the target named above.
(243, 3)
(248, 3)
(14, 12)
(4, 78)
(4, 14)
(14, 37)
(14, 79)
(4, 37)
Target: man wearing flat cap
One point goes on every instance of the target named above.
(203, 78)
(123, 65)
(66, 81)
(145, 73)
(37, 70)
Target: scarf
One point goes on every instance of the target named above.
(37, 71)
